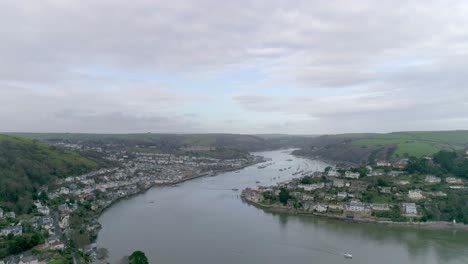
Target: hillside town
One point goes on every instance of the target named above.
(384, 192)
(64, 219)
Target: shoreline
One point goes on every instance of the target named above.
(424, 225)
(329, 161)
(142, 191)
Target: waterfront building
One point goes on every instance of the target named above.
(410, 208)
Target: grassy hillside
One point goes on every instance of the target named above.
(26, 164)
(417, 143)
(357, 148)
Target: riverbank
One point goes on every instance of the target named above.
(143, 190)
(344, 164)
(426, 225)
(99, 212)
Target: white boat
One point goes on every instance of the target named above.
(348, 256)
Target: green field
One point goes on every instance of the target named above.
(418, 143)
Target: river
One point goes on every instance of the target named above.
(205, 221)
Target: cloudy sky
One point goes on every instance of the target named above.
(299, 67)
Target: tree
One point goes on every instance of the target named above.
(138, 257)
(446, 159)
(284, 196)
(43, 197)
(102, 253)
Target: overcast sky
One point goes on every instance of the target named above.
(298, 67)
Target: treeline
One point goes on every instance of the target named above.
(442, 163)
(12, 245)
(25, 165)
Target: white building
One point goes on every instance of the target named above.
(320, 208)
(14, 230)
(453, 180)
(415, 194)
(29, 260)
(342, 195)
(457, 187)
(432, 179)
(338, 183)
(336, 206)
(311, 187)
(383, 163)
(377, 173)
(357, 206)
(64, 222)
(380, 207)
(352, 175)
(11, 215)
(410, 208)
(1, 213)
(333, 173)
(403, 182)
(64, 190)
(42, 209)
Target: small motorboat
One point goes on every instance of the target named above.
(348, 256)
(235, 189)
(257, 182)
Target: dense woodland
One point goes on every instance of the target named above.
(444, 162)
(26, 164)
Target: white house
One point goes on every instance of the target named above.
(415, 194)
(320, 208)
(64, 190)
(457, 187)
(383, 163)
(380, 207)
(432, 179)
(14, 230)
(1, 213)
(395, 173)
(453, 180)
(43, 210)
(410, 208)
(11, 215)
(29, 260)
(403, 182)
(352, 175)
(342, 195)
(64, 222)
(333, 173)
(338, 183)
(357, 206)
(311, 187)
(377, 173)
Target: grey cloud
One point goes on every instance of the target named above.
(53, 37)
(383, 60)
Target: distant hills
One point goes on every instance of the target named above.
(359, 148)
(26, 164)
(354, 148)
(171, 142)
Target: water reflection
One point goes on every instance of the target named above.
(445, 245)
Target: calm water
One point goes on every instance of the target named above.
(205, 221)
